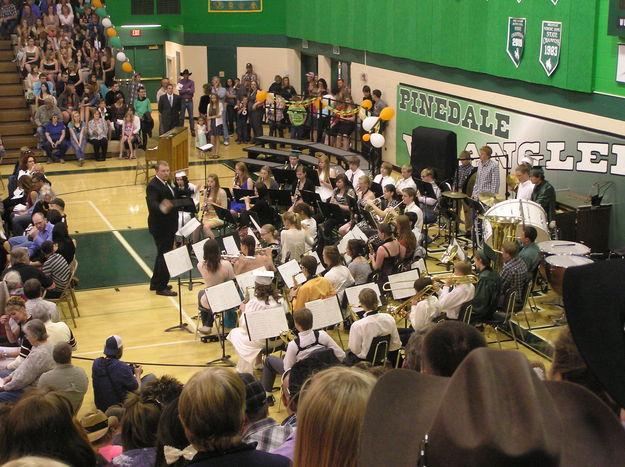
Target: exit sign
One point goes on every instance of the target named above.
(135, 32)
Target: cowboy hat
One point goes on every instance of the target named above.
(185, 72)
(493, 411)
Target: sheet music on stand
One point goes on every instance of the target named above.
(326, 312)
(222, 297)
(320, 267)
(266, 324)
(354, 233)
(353, 292)
(231, 246)
(420, 266)
(178, 261)
(324, 192)
(246, 280)
(190, 227)
(198, 249)
(401, 284)
(288, 269)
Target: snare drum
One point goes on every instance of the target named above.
(528, 212)
(562, 247)
(556, 265)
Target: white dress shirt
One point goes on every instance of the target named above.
(366, 329)
(412, 207)
(525, 190)
(452, 299)
(354, 176)
(423, 312)
(307, 338)
(340, 277)
(388, 180)
(404, 183)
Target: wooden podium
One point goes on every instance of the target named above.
(173, 148)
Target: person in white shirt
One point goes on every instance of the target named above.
(451, 300)
(408, 198)
(309, 224)
(422, 311)
(427, 204)
(354, 172)
(525, 187)
(406, 181)
(384, 177)
(307, 342)
(57, 332)
(338, 274)
(372, 325)
(293, 238)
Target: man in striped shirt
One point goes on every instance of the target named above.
(487, 173)
(55, 267)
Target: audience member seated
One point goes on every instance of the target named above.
(172, 446)
(42, 424)
(43, 116)
(315, 286)
(164, 389)
(36, 236)
(513, 274)
(38, 361)
(55, 267)
(372, 325)
(33, 291)
(446, 345)
(211, 408)
(451, 299)
(412, 359)
(14, 321)
(65, 378)
(63, 242)
(330, 417)
(258, 426)
(55, 143)
(20, 262)
(8, 19)
(100, 430)
(57, 332)
(113, 379)
(307, 342)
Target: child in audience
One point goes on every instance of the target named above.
(127, 137)
(242, 120)
(200, 135)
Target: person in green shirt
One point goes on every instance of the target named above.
(143, 109)
(530, 253)
(486, 289)
(544, 193)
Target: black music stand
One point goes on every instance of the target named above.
(174, 267)
(313, 176)
(310, 197)
(225, 215)
(425, 189)
(240, 193)
(377, 189)
(224, 359)
(284, 176)
(281, 197)
(333, 211)
(228, 193)
(368, 216)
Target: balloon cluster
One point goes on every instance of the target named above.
(372, 125)
(114, 40)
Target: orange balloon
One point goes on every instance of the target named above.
(366, 137)
(111, 32)
(261, 96)
(127, 67)
(366, 104)
(97, 4)
(387, 113)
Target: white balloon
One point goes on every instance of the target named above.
(106, 22)
(369, 122)
(377, 140)
(121, 57)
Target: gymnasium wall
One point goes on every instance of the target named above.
(268, 62)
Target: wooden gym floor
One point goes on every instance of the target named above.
(107, 215)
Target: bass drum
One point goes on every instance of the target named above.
(556, 266)
(519, 210)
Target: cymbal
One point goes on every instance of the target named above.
(454, 194)
(490, 199)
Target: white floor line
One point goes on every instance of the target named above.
(136, 347)
(137, 258)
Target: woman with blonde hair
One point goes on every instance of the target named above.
(293, 238)
(214, 195)
(78, 136)
(243, 181)
(325, 172)
(330, 415)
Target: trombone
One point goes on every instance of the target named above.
(455, 280)
(400, 311)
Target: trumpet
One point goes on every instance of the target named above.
(287, 336)
(401, 312)
(455, 280)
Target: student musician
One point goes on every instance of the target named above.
(215, 271)
(183, 189)
(243, 181)
(408, 199)
(337, 273)
(307, 342)
(363, 194)
(384, 177)
(406, 180)
(373, 324)
(427, 204)
(305, 213)
(214, 195)
(293, 162)
(405, 235)
(486, 289)
(325, 172)
(302, 183)
(422, 311)
(388, 202)
(453, 296)
(354, 173)
(388, 254)
(250, 259)
(341, 196)
(315, 286)
(261, 209)
(270, 239)
(265, 296)
(293, 238)
(265, 175)
(359, 266)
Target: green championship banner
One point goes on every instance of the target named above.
(516, 40)
(574, 158)
(550, 45)
(235, 6)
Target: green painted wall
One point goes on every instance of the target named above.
(607, 50)
(196, 18)
(465, 34)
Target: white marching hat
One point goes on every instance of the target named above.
(263, 277)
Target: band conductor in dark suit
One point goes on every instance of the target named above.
(169, 106)
(162, 224)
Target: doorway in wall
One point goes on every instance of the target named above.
(222, 62)
(339, 70)
(150, 62)
(309, 63)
